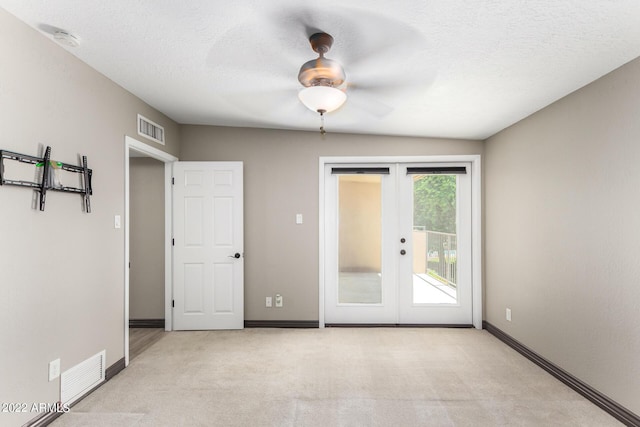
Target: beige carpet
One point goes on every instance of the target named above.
(333, 377)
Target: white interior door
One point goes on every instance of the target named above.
(208, 259)
(398, 244)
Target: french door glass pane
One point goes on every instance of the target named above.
(434, 239)
(360, 239)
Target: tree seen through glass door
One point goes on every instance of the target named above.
(435, 238)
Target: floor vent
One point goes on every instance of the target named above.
(77, 381)
(150, 130)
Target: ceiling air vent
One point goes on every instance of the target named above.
(150, 130)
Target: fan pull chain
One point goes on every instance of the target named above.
(322, 131)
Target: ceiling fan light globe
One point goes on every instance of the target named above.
(325, 98)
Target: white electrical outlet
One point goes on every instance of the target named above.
(279, 300)
(54, 369)
(298, 218)
(268, 302)
(508, 314)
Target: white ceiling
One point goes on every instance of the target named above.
(442, 68)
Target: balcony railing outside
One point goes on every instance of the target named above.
(436, 254)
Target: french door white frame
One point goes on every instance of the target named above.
(167, 159)
(476, 220)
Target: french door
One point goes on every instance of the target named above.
(398, 243)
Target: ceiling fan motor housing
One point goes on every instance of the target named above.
(321, 71)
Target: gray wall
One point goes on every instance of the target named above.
(146, 238)
(62, 270)
(562, 233)
(281, 180)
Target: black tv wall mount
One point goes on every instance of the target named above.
(46, 178)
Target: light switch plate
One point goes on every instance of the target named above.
(117, 222)
(298, 218)
(54, 369)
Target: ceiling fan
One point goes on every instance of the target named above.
(325, 84)
(261, 86)
(323, 78)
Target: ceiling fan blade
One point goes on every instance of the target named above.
(390, 86)
(300, 22)
(404, 46)
(369, 103)
(380, 98)
(267, 55)
(264, 104)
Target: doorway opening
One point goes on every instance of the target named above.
(147, 154)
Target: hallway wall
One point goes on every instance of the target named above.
(146, 238)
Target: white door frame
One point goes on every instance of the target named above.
(476, 220)
(167, 159)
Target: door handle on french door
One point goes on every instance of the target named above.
(236, 255)
(402, 252)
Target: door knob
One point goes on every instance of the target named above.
(402, 252)
(236, 255)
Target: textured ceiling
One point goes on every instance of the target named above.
(443, 68)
